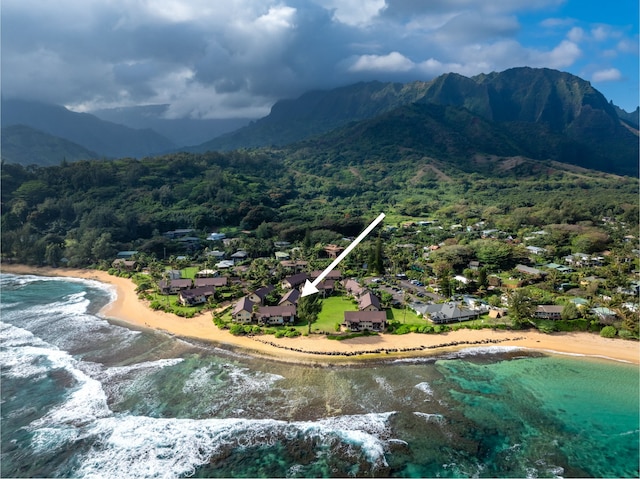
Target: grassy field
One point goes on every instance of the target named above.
(405, 316)
(333, 309)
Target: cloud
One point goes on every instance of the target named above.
(357, 13)
(610, 74)
(394, 62)
(237, 57)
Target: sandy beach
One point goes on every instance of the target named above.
(320, 350)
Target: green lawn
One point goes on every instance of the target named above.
(333, 309)
(405, 316)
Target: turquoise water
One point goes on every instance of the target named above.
(82, 397)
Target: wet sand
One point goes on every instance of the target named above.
(129, 309)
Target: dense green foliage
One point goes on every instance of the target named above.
(86, 211)
(28, 146)
(536, 112)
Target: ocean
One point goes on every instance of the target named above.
(85, 397)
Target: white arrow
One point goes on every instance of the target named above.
(310, 288)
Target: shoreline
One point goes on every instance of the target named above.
(127, 309)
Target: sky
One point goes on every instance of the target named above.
(236, 58)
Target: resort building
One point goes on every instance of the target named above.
(365, 320)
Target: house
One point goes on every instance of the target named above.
(548, 311)
(536, 250)
(369, 302)
(604, 315)
(282, 256)
(365, 320)
(126, 254)
(530, 271)
(173, 286)
(290, 299)
(449, 312)
(216, 237)
(353, 288)
(260, 294)
(276, 314)
(173, 274)
(225, 264)
(334, 274)
(239, 256)
(207, 273)
(294, 281)
(179, 233)
(191, 297)
(243, 311)
(215, 282)
(558, 267)
(294, 265)
(121, 263)
(333, 250)
(215, 254)
(326, 287)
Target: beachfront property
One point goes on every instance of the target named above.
(358, 321)
(290, 298)
(548, 311)
(243, 311)
(195, 296)
(174, 286)
(451, 312)
(369, 302)
(275, 315)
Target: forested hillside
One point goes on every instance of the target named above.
(545, 114)
(86, 211)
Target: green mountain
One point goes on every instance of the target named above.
(105, 138)
(543, 113)
(28, 146)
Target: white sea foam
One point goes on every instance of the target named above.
(136, 446)
(429, 417)
(475, 351)
(425, 387)
(244, 380)
(118, 371)
(384, 384)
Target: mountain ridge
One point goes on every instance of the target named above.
(103, 137)
(533, 106)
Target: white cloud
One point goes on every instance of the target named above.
(393, 62)
(576, 34)
(610, 74)
(207, 57)
(564, 55)
(357, 13)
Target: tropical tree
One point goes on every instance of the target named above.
(308, 308)
(521, 307)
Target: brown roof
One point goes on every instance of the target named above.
(333, 274)
(264, 291)
(358, 316)
(369, 299)
(550, 308)
(221, 281)
(291, 296)
(296, 279)
(204, 290)
(243, 304)
(269, 311)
